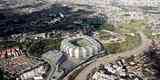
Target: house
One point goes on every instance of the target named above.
(17, 66)
(10, 52)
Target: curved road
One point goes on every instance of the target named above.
(136, 51)
(52, 70)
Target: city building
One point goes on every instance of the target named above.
(152, 3)
(154, 24)
(17, 66)
(81, 47)
(10, 52)
(114, 71)
(55, 56)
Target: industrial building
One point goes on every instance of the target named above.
(56, 59)
(17, 66)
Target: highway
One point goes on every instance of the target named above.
(112, 57)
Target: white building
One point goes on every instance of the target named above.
(152, 3)
(17, 66)
(133, 15)
(81, 46)
(34, 74)
(114, 71)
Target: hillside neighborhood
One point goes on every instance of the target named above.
(79, 39)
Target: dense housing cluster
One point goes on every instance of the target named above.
(17, 66)
(45, 21)
(11, 52)
(114, 71)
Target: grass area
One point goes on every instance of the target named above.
(147, 31)
(106, 26)
(156, 36)
(9, 44)
(81, 42)
(40, 47)
(151, 34)
(130, 43)
(133, 26)
(104, 35)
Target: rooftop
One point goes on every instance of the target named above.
(81, 42)
(19, 65)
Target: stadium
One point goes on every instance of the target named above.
(81, 47)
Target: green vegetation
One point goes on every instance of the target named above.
(130, 43)
(92, 23)
(156, 36)
(133, 26)
(126, 14)
(150, 34)
(81, 42)
(1, 76)
(9, 44)
(147, 31)
(104, 35)
(107, 26)
(40, 47)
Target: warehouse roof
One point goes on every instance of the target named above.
(13, 67)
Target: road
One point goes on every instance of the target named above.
(136, 51)
(52, 69)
